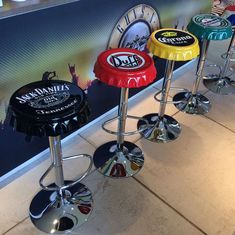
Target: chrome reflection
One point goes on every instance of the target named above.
(192, 104)
(113, 162)
(160, 129)
(61, 211)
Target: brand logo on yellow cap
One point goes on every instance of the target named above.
(169, 34)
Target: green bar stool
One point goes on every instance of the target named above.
(205, 27)
(221, 83)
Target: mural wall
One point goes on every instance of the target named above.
(63, 42)
(219, 6)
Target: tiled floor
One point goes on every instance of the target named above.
(186, 187)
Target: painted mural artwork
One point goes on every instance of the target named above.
(224, 8)
(77, 80)
(53, 47)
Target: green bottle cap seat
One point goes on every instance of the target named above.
(210, 27)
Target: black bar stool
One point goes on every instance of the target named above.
(51, 108)
(123, 68)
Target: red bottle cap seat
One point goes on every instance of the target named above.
(124, 67)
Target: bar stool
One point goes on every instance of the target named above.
(172, 45)
(221, 83)
(123, 68)
(205, 27)
(51, 108)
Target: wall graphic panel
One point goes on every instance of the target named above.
(63, 42)
(219, 7)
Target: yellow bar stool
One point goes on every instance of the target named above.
(172, 45)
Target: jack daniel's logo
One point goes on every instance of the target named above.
(46, 96)
(125, 60)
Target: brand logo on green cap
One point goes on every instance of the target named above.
(211, 21)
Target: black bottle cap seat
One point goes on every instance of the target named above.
(48, 108)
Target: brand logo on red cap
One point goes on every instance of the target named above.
(125, 60)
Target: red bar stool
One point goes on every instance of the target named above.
(51, 108)
(123, 68)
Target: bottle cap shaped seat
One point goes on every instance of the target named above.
(173, 44)
(125, 68)
(48, 108)
(210, 27)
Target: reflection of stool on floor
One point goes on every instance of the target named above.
(172, 45)
(51, 108)
(124, 68)
(206, 27)
(221, 83)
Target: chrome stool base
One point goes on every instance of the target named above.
(161, 130)
(118, 164)
(192, 104)
(222, 86)
(52, 213)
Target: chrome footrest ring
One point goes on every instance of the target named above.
(213, 75)
(218, 75)
(225, 56)
(74, 182)
(170, 101)
(124, 133)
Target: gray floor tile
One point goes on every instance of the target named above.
(123, 207)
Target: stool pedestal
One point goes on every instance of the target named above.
(119, 158)
(162, 128)
(64, 205)
(194, 102)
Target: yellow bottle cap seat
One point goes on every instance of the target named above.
(173, 44)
